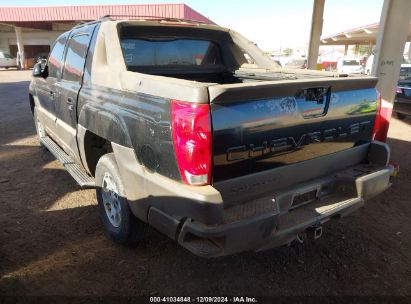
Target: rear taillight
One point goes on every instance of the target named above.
(382, 119)
(399, 90)
(191, 129)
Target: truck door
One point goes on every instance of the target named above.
(69, 87)
(47, 92)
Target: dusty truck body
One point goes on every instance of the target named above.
(192, 129)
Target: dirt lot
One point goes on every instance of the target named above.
(51, 241)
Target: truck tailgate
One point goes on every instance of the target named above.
(265, 125)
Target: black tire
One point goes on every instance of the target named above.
(401, 116)
(123, 227)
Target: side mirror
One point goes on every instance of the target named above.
(37, 70)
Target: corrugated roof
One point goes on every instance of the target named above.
(360, 35)
(92, 12)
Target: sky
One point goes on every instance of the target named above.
(269, 23)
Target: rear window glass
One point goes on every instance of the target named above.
(296, 62)
(351, 62)
(7, 56)
(170, 53)
(405, 71)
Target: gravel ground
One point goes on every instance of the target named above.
(52, 243)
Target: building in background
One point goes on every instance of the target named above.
(29, 32)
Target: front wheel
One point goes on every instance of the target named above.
(118, 220)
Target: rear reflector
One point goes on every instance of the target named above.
(382, 119)
(191, 129)
(396, 168)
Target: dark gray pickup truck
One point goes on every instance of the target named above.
(192, 129)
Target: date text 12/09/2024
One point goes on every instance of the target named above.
(235, 299)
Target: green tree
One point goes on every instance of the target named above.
(364, 50)
(288, 51)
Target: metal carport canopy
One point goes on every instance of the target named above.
(363, 35)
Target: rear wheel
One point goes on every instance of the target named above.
(401, 116)
(118, 220)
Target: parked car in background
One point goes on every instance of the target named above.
(402, 102)
(329, 65)
(405, 71)
(296, 64)
(368, 65)
(349, 66)
(7, 60)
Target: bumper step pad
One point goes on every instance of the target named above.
(75, 170)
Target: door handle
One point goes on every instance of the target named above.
(52, 95)
(70, 103)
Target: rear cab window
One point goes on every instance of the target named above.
(198, 53)
(165, 50)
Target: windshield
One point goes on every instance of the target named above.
(351, 62)
(405, 71)
(296, 62)
(170, 53)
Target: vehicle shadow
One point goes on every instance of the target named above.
(15, 115)
(406, 120)
(52, 247)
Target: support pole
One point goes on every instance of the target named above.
(357, 49)
(392, 35)
(315, 35)
(346, 50)
(20, 47)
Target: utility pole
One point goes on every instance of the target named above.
(315, 35)
(392, 35)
